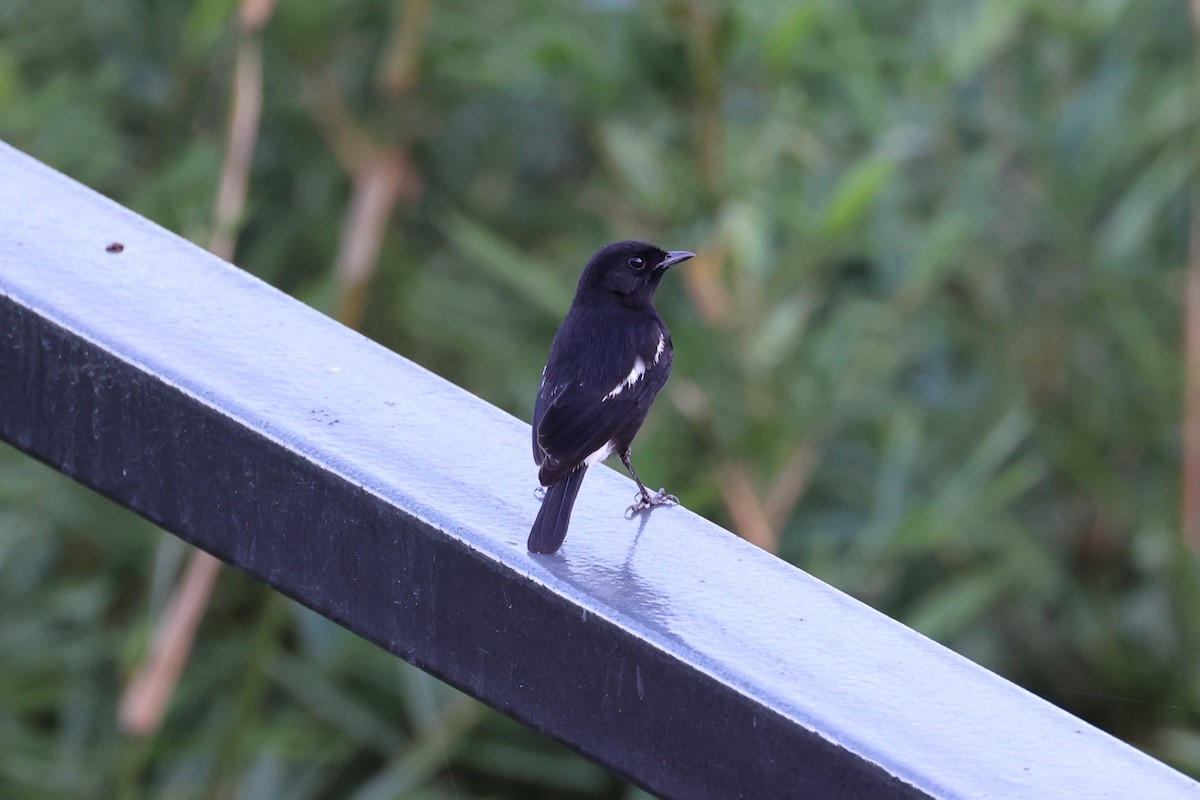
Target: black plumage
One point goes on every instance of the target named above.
(611, 356)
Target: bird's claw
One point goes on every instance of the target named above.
(540, 493)
(644, 502)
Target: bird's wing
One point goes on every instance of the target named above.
(543, 399)
(575, 418)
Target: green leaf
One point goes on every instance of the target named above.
(856, 193)
(537, 283)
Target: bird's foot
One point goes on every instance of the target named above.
(644, 501)
(540, 493)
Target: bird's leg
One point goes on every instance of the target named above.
(540, 493)
(645, 500)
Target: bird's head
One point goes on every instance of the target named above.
(626, 271)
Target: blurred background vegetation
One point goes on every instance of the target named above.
(932, 350)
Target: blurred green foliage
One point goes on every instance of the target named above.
(934, 329)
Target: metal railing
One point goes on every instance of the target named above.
(397, 505)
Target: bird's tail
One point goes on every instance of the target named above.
(550, 527)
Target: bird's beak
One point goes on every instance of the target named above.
(674, 257)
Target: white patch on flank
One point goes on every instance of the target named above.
(662, 345)
(604, 452)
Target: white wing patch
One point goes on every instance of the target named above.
(635, 375)
(638, 371)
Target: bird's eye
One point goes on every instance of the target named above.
(636, 262)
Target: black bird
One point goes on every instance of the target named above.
(608, 360)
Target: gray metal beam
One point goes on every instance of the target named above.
(397, 505)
